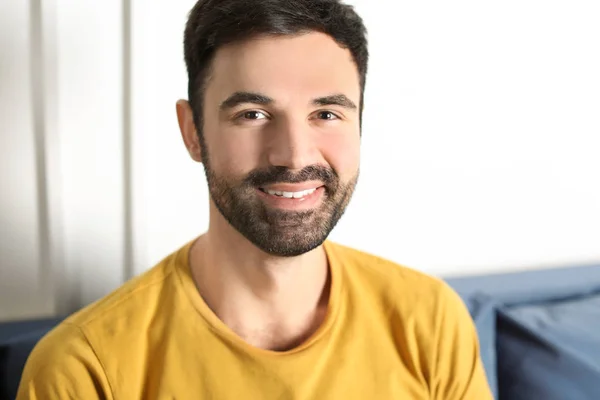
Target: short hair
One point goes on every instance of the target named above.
(215, 23)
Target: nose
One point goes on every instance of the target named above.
(292, 144)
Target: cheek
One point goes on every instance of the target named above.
(342, 152)
(233, 153)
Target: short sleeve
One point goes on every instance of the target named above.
(457, 370)
(63, 365)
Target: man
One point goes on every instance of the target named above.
(261, 306)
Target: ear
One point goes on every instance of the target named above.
(189, 134)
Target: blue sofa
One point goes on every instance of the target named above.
(539, 333)
(17, 339)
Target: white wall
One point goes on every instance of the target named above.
(480, 142)
(482, 125)
(90, 113)
(480, 136)
(21, 221)
(63, 200)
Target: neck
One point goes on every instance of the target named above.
(270, 301)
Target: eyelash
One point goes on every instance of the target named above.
(243, 115)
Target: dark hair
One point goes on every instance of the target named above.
(214, 23)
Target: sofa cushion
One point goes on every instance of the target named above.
(526, 287)
(17, 339)
(520, 288)
(550, 350)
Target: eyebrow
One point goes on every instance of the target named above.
(336, 100)
(245, 97)
(256, 98)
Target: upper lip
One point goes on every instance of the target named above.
(292, 187)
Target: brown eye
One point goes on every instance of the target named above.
(327, 115)
(253, 115)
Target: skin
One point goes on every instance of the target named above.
(273, 291)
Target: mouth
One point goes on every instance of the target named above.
(299, 194)
(292, 199)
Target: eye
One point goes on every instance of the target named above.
(327, 115)
(253, 115)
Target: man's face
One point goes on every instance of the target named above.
(282, 138)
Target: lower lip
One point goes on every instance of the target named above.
(304, 203)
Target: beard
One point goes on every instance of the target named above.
(278, 232)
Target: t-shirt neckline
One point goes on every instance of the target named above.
(182, 267)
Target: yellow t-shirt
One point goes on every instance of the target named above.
(390, 333)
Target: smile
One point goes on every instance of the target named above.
(304, 198)
(290, 195)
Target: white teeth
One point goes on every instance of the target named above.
(289, 195)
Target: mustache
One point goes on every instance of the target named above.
(278, 174)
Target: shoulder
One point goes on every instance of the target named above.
(78, 355)
(134, 299)
(424, 302)
(389, 278)
(63, 364)
(424, 315)
(97, 328)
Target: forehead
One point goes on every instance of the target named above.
(304, 65)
